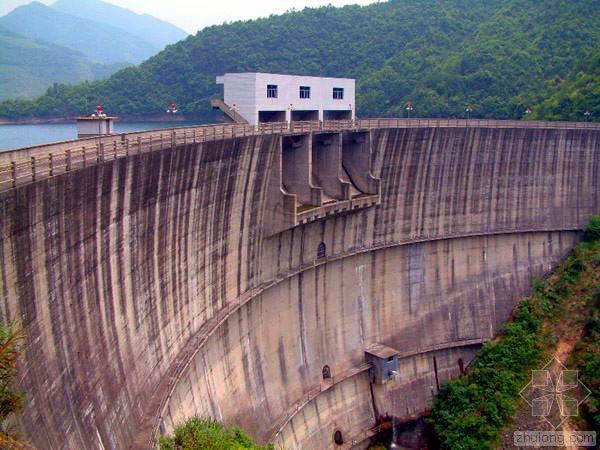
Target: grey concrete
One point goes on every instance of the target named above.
(151, 289)
(297, 169)
(327, 165)
(356, 160)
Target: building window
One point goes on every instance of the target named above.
(271, 91)
(338, 93)
(304, 91)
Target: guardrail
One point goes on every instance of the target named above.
(26, 165)
(473, 123)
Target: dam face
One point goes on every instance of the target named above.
(188, 280)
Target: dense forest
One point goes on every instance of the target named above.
(501, 57)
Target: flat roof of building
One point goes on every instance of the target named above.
(96, 117)
(381, 351)
(284, 75)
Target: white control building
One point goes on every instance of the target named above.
(268, 97)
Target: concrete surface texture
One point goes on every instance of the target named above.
(150, 288)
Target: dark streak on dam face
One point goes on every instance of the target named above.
(176, 282)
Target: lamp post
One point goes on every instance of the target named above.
(469, 110)
(409, 108)
(291, 108)
(99, 109)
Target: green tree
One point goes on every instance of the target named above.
(11, 400)
(208, 434)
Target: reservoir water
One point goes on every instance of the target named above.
(15, 136)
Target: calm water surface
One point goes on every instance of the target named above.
(15, 136)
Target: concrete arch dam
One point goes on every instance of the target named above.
(219, 276)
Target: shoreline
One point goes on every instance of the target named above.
(124, 119)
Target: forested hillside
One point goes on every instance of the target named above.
(29, 66)
(500, 56)
(72, 41)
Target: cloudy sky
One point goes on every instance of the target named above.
(192, 15)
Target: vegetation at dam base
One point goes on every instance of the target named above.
(501, 57)
(587, 350)
(471, 411)
(208, 434)
(11, 400)
(586, 358)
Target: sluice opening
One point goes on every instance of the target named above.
(271, 116)
(302, 116)
(337, 115)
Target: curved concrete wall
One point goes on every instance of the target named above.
(415, 298)
(147, 282)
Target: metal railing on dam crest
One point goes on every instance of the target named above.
(25, 165)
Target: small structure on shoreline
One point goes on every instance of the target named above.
(97, 124)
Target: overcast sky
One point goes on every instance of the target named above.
(192, 15)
